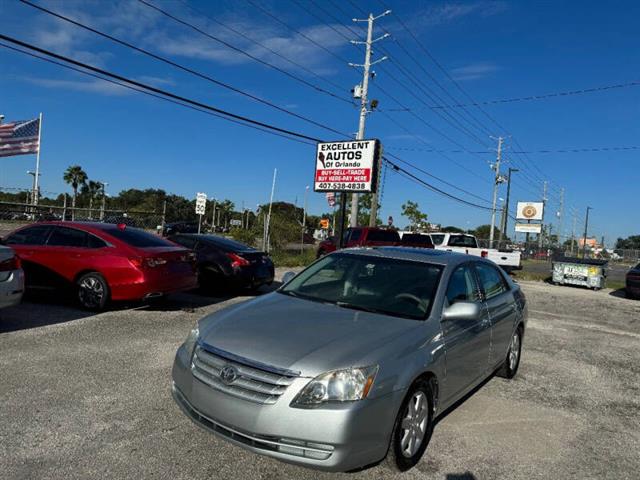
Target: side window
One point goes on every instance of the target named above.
(68, 237)
(29, 236)
(356, 234)
(188, 242)
(492, 281)
(437, 238)
(95, 242)
(462, 286)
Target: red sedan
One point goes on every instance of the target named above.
(102, 261)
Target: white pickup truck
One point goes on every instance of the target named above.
(463, 243)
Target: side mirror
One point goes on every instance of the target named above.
(287, 277)
(462, 311)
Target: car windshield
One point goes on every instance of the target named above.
(416, 238)
(383, 236)
(462, 241)
(389, 286)
(137, 238)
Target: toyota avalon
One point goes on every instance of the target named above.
(352, 360)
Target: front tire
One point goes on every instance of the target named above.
(413, 428)
(512, 362)
(93, 291)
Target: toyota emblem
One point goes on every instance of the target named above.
(228, 374)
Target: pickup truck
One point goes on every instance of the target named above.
(361, 237)
(463, 243)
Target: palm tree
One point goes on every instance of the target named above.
(75, 176)
(92, 189)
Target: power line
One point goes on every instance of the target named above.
(179, 66)
(186, 102)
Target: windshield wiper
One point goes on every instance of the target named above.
(360, 307)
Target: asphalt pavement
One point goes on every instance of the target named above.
(88, 396)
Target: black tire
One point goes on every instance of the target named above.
(92, 291)
(509, 368)
(398, 458)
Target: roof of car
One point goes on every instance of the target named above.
(440, 257)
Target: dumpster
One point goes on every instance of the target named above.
(583, 272)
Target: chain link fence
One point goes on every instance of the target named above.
(14, 215)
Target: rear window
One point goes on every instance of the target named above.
(138, 238)
(227, 243)
(416, 238)
(29, 236)
(462, 241)
(383, 236)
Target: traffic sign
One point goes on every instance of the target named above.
(201, 203)
(324, 223)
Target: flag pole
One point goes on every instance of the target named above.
(36, 186)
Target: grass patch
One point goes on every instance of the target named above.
(614, 285)
(531, 276)
(290, 258)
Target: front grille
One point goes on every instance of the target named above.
(261, 384)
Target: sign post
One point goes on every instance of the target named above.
(201, 205)
(347, 167)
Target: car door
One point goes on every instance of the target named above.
(467, 342)
(29, 244)
(69, 252)
(502, 308)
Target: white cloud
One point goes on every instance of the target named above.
(474, 71)
(90, 86)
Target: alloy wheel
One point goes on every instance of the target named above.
(91, 292)
(514, 351)
(414, 424)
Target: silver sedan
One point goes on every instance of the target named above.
(11, 278)
(352, 360)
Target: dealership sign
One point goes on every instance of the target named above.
(530, 211)
(350, 166)
(528, 227)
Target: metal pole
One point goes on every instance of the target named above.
(506, 206)
(36, 182)
(64, 208)
(268, 225)
(304, 218)
(164, 214)
(561, 216)
(213, 217)
(364, 97)
(343, 212)
(495, 192)
(199, 223)
(104, 202)
(544, 206)
(573, 233)
(584, 238)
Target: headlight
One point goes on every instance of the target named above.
(192, 339)
(338, 386)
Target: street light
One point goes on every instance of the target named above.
(104, 197)
(34, 194)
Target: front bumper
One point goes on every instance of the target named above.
(337, 437)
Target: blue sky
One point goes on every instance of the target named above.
(493, 49)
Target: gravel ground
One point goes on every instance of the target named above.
(87, 396)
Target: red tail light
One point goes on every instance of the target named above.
(237, 260)
(10, 264)
(155, 262)
(484, 254)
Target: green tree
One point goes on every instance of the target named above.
(452, 229)
(629, 243)
(483, 232)
(75, 176)
(93, 190)
(418, 219)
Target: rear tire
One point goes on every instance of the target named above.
(413, 428)
(510, 366)
(92, 291)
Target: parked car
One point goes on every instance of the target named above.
(179, 227)
(102, 262)
(11, 278)
(225, 262)
(509, 260)
(632, 283)
(360, 237)
(418, 240)
(354, 358)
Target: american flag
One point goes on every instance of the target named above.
(331, 199)
(19, 138)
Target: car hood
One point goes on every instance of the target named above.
(301, 335)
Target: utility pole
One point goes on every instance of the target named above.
(498, 180)
(573, 232)
(213, 217)
(584, 238)
(267, 234)
(505, 221)
(362, 91)
(560, 216)
(304, 218)
(544, 206)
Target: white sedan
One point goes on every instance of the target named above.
(11, 278)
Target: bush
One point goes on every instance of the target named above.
(243, 236)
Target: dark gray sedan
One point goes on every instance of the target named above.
(353, 359)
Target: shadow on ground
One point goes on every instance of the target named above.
(49, 307)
